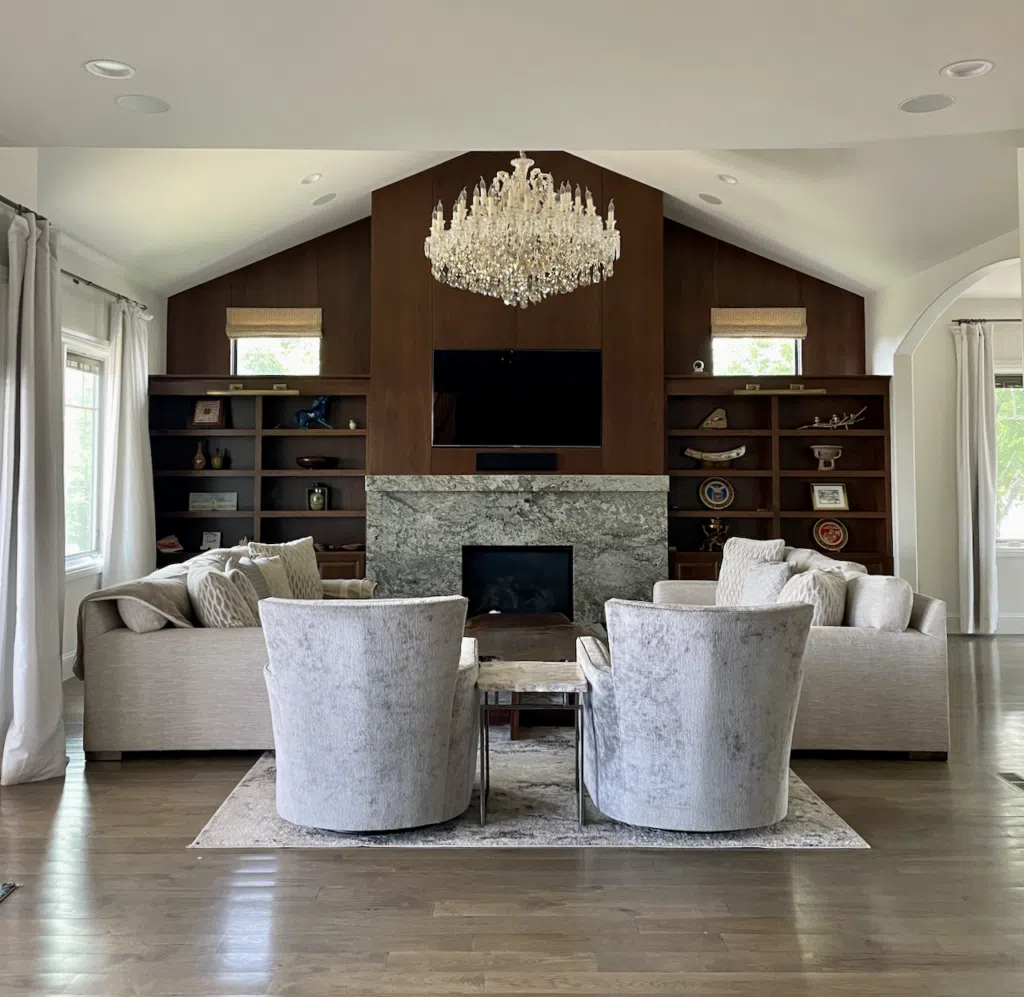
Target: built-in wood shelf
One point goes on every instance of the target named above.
(314, 432)
(226, 514)
(223, 473)
(837, 473)
(310, 514)
(721, 514)
(833, 514)
(725, 472)
(833, 434)
(335, 472)
(727, 433)
(202, 432)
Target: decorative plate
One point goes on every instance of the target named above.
(716, 493)
(830, 534)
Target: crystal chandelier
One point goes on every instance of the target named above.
(522, 239)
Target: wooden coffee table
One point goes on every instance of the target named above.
(565, 677)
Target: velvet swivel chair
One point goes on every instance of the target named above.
(374, 709)
(689, 716)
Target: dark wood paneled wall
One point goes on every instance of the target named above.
(702, 273)
(332, 272)
(622, 316)
(383, 313)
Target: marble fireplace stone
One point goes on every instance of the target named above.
(617, 526)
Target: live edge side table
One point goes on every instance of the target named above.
(565, 677)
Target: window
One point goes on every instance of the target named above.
(83, 377)
(269, 355)
(757, 340)
(754, 356)
(274, 340)
(1010, 458)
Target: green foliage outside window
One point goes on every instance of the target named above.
(1010, 463)
(299, 355)
(739, 357)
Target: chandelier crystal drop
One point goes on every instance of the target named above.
(521, 238)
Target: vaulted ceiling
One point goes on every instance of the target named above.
(796, 98)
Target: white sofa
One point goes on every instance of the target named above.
(864, 689)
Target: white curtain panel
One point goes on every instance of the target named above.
(976, 476)
(31, 507)
(128, 534)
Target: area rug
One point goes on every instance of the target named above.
(532, 805)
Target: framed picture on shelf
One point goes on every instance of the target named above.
(211, 540)
(829, 498)
(208, 413)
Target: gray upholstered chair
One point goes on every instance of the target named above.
(689, 721)
(374, 708)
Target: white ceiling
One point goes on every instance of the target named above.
(452, 74)
(1003, 281)
(834, 179)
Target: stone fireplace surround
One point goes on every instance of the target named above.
(617, 526)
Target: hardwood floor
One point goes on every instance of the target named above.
(114, 904)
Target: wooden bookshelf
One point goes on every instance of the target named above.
(260, 442)
(772, 480)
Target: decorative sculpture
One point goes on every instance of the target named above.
(716, 533)
(314, 415)
(714, 459)
(845, 421)
(827, 454)
(716, 419)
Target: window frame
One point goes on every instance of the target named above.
(89, 562)
(1013, 547)
(798, 355)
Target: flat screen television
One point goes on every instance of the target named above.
(517, 398)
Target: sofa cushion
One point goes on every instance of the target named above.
(150, 603)
(222, 598)
(251, 570)
(299, 560)
(764, 583)
(804, 559)
(738, 556)
(275, 577)
(879, 602)
(825, 591)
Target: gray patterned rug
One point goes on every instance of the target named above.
(533, 805)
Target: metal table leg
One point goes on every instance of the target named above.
(580, 791)
(484, 718)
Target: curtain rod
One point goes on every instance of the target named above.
(962, 321)
(105, 290)
(20, 208)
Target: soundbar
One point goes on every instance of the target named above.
(516, 462)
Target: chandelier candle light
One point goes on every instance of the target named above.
(521, 239)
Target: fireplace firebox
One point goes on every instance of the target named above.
(517, 580)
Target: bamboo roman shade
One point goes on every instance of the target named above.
(280, 323)
(759, 323)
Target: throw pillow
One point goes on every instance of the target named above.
(804, 559)
(217, 598)
(825, 591)
(275, 577)
(299, 560)
(879, 602)
(140, 618)
(251, 570)
(764, 583)
(738, 556)
(247, 590)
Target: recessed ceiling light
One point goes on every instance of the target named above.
(967, 68)
(312, 178)
(110, 69)
(140, 103)
(324, 199)
(710, 198)
(727, 178)
(926, 103)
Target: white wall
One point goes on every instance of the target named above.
(19, 175)
(933, 368)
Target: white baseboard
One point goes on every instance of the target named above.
(1011, 623)
(67, 665)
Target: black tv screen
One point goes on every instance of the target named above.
(517, 398)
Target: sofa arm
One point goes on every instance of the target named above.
(96, 616)
(688, 593)
(592, 657)
(928, 616)
(348, 588)
(469, 655)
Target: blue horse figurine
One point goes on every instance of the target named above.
(314, 415)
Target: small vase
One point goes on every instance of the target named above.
(199, 460)
(352, 424)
